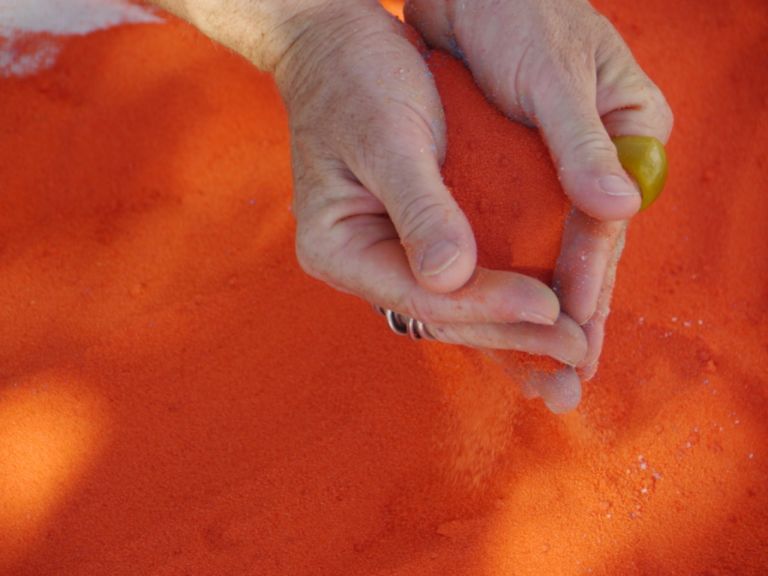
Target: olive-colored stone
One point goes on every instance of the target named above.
(644, 158)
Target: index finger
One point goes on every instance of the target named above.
(587, 247)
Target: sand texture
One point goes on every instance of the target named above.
(177, 397)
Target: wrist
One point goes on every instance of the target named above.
(261, 31)
(279, 25)
(320, 42)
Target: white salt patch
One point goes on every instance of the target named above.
(57, 18)
(15, 62)
(67, 17)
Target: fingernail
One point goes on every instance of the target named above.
(561, 391)
(616, 185)
(563, 405)
(567, 361)
(588, 372)
(536, 318)
(439, 257)
(586, 319)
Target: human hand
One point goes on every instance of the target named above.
(561, 66)
(373, 215)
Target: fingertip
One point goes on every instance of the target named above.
(536, 318)
(588, 248)
(527, 299)
(588, 165)
(609, 196)
(560, 391)
(583, 312)
(578, 291)
(439, 257)
(588, 372)
(445, 266)
(573, 340)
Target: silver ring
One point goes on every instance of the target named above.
(424, 331)
(396, 323)
(403, 325)
(414, 329)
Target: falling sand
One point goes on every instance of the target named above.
(177, 397)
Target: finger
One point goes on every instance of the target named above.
(491, 296)
(595, 328)
(560, 390)
(564, 341)
(587, 247)
(586, 159)
(350, 243)
(628, 101)
(595, 338)
(430, 18)
(434, 231)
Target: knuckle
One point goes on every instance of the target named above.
(591, 144)
(446, 333)
(666, 118)
(421, 308)
(603, 24)
(609, 37)
(418, 215)
(308, 248)
(387, 142)
(377, 157)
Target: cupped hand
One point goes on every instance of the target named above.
(373, 215)
(561, 66)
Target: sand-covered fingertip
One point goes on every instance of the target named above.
(561, 390)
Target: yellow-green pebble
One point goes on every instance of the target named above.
(644, 158)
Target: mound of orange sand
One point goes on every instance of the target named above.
(176, 397)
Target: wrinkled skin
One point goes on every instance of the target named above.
(368, 136)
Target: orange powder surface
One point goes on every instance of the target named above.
(177, 397)
(501, 175)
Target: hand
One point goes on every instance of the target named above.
(561, 66)
(373, 215)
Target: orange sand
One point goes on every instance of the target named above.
(176, 397)
(501, 175)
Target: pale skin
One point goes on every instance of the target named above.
(368, 136)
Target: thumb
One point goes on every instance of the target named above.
(586, 159)
(433, 230)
